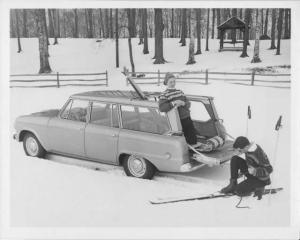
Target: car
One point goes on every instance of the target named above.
(119, 128)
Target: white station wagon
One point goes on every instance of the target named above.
(116, 127)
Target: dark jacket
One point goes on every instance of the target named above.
(258, 160)
(166, 102)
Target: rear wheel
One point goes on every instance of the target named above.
(32, 146)
(139, 167)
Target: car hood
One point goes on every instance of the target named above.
(46, 113)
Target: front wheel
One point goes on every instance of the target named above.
(139, 167)
(32, 146)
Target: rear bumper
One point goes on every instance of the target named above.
(191, 166)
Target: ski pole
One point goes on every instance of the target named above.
(248, 117)
(278, 126)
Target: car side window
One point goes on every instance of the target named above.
(144, 119)
(76, 110)
(199, 112)
(104, 114)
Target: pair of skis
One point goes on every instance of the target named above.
(203, 197)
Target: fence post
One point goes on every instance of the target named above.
(252, 77)
(106, 78)
(206, 76)
(57, 79)
(158, 80)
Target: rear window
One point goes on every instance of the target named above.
(144, 119)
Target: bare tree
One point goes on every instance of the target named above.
(159, 28)
(213, 23)
(51, 27)
(279, 29)
(75, 23)
(43, 46)
(262, 21)
(145, 32)
(246, 33)
(256, 58)
(183, 28)
(25, 32)
(172, 23)
(266, 23)
(140, 26)
(18, 30)
(241, 17)
(207, 30)
(198, 30)
(117, 36)
(233, 31)
(130, 35)
(90, 23)
(218, 20)
(286, 24)
(101, 23)
(106, 20)
(273, 29)
(111, 23)
(191, 59)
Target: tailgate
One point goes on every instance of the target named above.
(223, 154)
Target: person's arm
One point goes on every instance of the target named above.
(164, 104)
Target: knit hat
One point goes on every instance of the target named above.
(167, 77)
(241, 142)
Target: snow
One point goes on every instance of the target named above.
(67, 192)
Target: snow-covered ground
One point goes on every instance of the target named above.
(47, 193)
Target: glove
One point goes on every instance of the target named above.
(249, 176)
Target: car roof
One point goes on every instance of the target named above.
(127, 97)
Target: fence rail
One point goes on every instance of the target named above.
(59, 80)
(204, 77)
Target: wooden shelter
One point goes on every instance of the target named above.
(232, 24)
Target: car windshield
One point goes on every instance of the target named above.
(144, 119)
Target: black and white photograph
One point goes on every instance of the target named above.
(147, 115)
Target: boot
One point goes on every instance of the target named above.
(230, 188)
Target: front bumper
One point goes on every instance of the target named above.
(16, 137)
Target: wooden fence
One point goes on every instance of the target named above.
(58, 80)
(204, 77)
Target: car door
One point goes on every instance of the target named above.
(66, 132)
(102, 132)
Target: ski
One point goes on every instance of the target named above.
(203, 197)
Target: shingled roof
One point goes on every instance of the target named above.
(232, 23)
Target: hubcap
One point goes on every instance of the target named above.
(137, 166)
(31, 146)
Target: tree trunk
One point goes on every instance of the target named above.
(218, 20)
(241, 17)
(64, 24)
(25, 32)
(75, 23)
(286, 23)
(12, 28)
(58, 23)
(43, 46)
(262, 21)
(289, 31)
(273, 29)
(279, 29)
(131, 32)
(45, 22)
(213, 23)
(90, 23)
(140, 26)
(256, 58)
(51, 28)
(198, 30)
(191, 59)
(266, 23)
(145, 32)
(111, 23)
(159, 28)
(101, 23)
(55, 25)
(172, 24)
(183, 28)
(106, 19)
(117, 36)
(189, 22)
(18, 30)
(233, 31)
(246, 33)
(207, 30)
